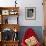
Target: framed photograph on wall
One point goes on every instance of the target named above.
(30, 13)
(5, 12)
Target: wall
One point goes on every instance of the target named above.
(27, 3)
(39, 13)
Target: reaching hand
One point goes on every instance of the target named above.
(31, 41)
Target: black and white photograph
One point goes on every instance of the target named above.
(30, 13)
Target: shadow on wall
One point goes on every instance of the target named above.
(37, 29)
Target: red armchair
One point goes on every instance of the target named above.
(30, 34)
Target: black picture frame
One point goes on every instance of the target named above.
(30, 13)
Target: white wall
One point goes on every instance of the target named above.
(27, 3)
(39, 13)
